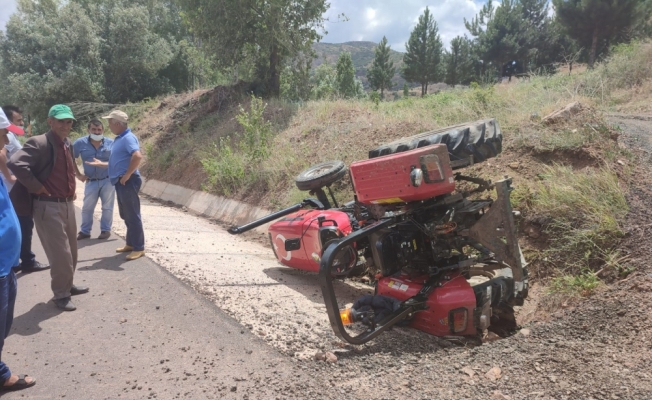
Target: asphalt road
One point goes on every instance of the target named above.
(139, 333)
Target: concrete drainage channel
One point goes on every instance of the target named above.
(205, 204)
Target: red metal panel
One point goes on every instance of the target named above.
(386, 180)
(453, 294)
(304, 224)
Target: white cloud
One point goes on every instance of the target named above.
(372, 19)
(7, 7)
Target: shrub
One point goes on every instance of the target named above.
(232, 167)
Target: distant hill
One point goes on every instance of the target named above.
(362, 54)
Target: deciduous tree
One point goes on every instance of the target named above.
(264, 32)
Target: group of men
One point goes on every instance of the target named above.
(37, 190)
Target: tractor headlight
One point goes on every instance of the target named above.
(416, 177)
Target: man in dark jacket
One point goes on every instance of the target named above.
(9, 252)
(28, 261)
(46, 174)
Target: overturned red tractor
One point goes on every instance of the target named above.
(443, 260)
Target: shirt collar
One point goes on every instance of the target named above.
(124, 133)
(57, 139)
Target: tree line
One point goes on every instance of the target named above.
(118, 51)
(515, 36)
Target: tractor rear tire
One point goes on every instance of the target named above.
(481, 139)
(320, 175)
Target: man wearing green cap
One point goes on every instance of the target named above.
(46, 174)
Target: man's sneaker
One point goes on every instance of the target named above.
(82, 235)
(134, 255)
(65, 304)
(125, 249)
(104, 235)
(34, 268)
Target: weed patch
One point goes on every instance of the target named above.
(582, 213)
(235, 163)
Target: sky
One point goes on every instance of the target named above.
(370, 20)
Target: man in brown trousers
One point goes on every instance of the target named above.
(46, 174)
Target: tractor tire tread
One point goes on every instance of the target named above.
(481, 139)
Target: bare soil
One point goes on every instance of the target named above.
(597, 349)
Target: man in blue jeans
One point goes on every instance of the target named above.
(97, 185)
(123, 173)
(9, 253)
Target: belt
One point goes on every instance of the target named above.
(98, 179)
(54, 199)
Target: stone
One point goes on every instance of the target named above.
(470, 372)
(499, 396)
(563, 114)
(331, 358)
(319, 356)
(525, 332)
(493, 374)
(514, 165)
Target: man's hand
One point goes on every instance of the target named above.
(97, 163)
(43, 191)
(82, 177)
(124, 179)
(12, 179)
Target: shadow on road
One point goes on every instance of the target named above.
(28, 323)
(107, 263)
(307, 283)
(93, 241)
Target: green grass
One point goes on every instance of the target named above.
(581, 285)
(580, 206)
(581, 211)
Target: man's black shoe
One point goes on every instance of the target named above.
(34, 268)
(104, 235)
(75, 290)
(81, 236)
(65, 304)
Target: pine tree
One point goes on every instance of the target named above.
(382, 70)
(499, 34)
(598, 23)
(424, 53)
(458, 62)
(345, 76)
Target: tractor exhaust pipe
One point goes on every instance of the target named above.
(236, 230)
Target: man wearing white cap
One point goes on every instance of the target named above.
(123, 173)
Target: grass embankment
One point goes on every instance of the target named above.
(570, 186)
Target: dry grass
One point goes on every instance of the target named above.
(579, 203)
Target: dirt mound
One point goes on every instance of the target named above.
(168, 126)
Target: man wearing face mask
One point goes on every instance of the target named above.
(97, 184)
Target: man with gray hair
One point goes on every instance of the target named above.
(46, 174)
(123, 173)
